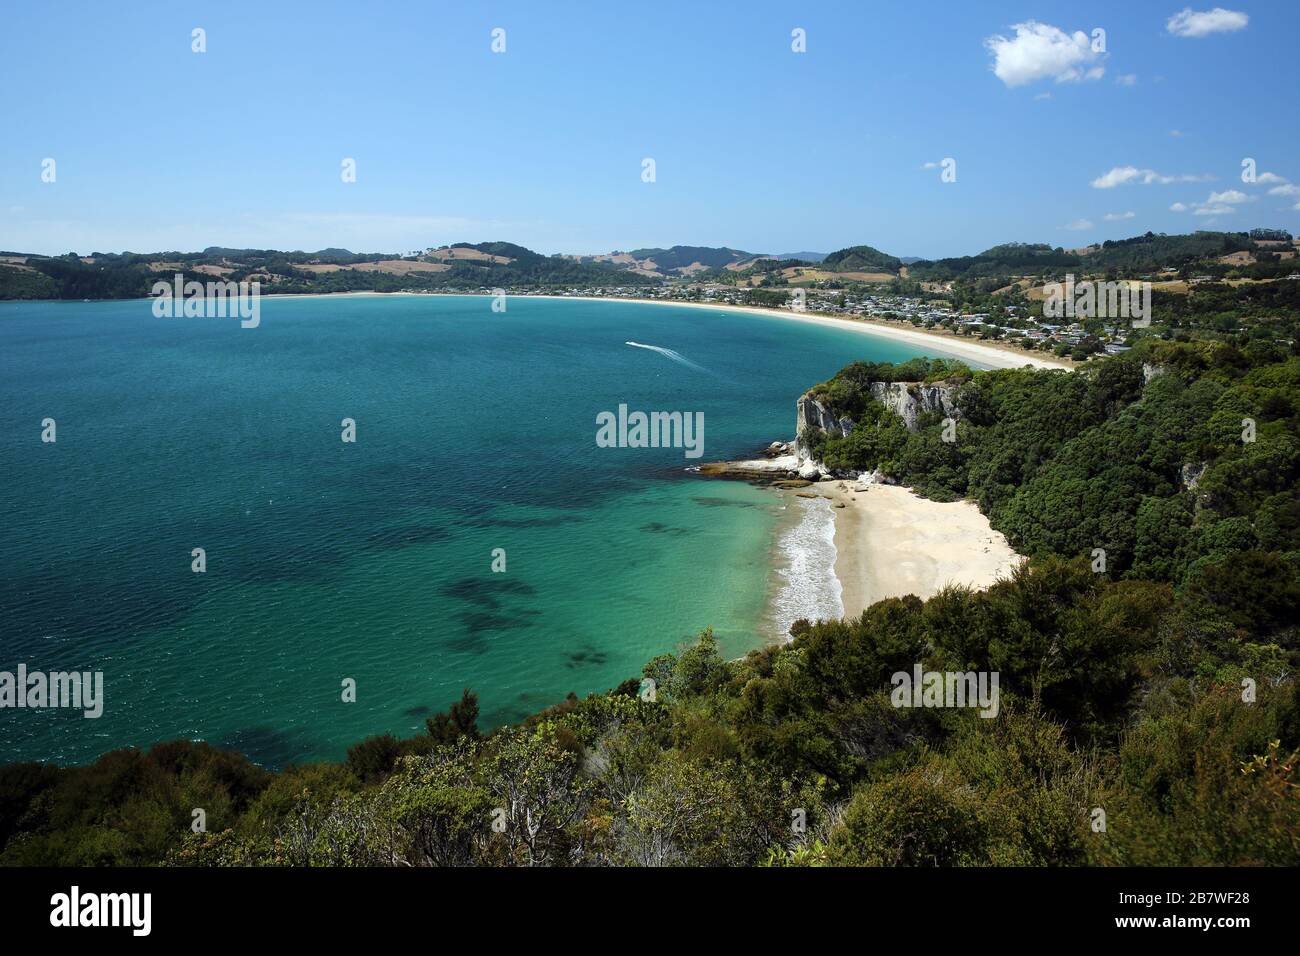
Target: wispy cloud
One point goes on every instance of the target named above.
(1126, 79)
(1116, 216)
(1191, 23)
(1079, 225)
(1040, 51)
(1129, 175)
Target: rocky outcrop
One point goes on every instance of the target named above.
(910, 400)
(780, 468)
(811, 413)
(810, 470)
(1191, 474)
(791, 461)
(1150, 372)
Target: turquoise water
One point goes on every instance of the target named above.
(373, 560)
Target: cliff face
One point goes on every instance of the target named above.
(909, 400)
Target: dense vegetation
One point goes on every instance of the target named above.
(1125, 734)
(1012, 258)
(1145, 253)
(1152, 251)
(1154, 472)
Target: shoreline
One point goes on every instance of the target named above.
(995, 356)
(946, 344)
(891, 542)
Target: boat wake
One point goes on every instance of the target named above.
(669, 354)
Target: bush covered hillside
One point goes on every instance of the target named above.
(1149, 708)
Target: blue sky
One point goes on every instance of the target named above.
(755, 146)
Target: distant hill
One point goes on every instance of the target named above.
(861, 259)
(1011, 258)
(1262, 254)
(677, 258)
(507, 250)
(462, 266)
(1152, 251)
(1147, 252)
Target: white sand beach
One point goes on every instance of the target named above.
(891, 542)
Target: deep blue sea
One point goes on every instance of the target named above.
(372, 560)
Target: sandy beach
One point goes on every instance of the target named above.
(890, 542)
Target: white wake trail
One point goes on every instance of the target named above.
(669, 354)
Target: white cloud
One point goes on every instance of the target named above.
(1043, 96)
(1124, 175)
(1191, 23)
(1219, 204)
(1116, 216)
(1287, 190)
(1040, 51)
(1079, 225)
(1265, 178)
(1126, 79)
(929, 165)
(1175, 132)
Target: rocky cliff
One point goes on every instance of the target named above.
(811, 413)
(910, 400)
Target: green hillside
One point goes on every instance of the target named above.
(861, 259)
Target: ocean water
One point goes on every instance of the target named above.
(372, 560)
(803, 584)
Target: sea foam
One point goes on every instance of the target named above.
(806, 583)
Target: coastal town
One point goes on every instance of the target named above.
(1013, 325)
